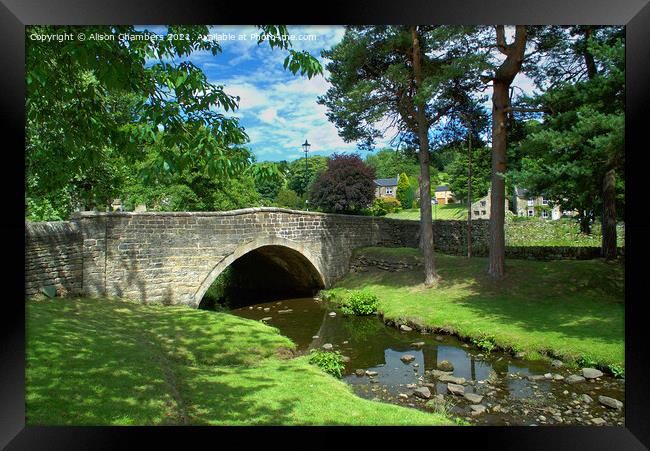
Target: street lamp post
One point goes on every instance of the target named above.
(305, 148)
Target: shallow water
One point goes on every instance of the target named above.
(509, 397)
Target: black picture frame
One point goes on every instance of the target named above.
(15, 14)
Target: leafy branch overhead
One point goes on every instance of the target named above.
(89, 101)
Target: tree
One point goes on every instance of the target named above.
(404, 192)
(575, 155)
(347, 186)
(301, 175)
(91, 103)
(481, 171)
(501, 81)
(289, 199)
(388, 163)
(270, 178)
(408, 77)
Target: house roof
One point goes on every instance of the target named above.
(386, 182)
(442, 188)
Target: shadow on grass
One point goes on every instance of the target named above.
(107, 362)
(580, 300)
(98, 362)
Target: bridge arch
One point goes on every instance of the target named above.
(298, 253)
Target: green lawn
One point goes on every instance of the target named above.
(108, 362)
(568, 309)
(449, 211)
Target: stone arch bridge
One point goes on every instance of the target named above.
(173, 257)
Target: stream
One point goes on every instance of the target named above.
(502, 389)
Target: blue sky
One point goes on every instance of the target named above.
(277, 109)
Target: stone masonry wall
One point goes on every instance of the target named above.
(173, 257)
(53, 257)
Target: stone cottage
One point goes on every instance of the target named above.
(386, 187)
(481, 208)
(444, 195)
(524, 204)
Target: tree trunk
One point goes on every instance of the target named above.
(608, 248)
(501, 82)
(497, 194)
(469, 196)
(590, 63)
(426, 224)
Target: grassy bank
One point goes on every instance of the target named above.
(107, 362)
(449, 211)
(568, 309)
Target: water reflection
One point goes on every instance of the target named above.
(371, 346)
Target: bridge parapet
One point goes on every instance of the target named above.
(172, 257)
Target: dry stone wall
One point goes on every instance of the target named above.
(53, 257)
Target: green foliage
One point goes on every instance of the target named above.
(372, 78)
(381, 206)
(484, 342)
(457, 171)
(269, 178)
(301, 174)
(95, 110)
(388, 163)
(586, 360)
(235, 193)
(289, 199)
(329, 361)
(617, 370)
(215, 296)
(47, 209)
(404, 192)
(566, 156)
(441, 406)
(360, 303)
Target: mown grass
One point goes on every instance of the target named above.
(109, 362)
(449, 211)
(567, 309)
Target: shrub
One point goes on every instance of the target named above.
(484, 343)
(329, 361)
(384, 205)
(404, 192)
(289, 199)
(360, 303)
(347, 186)
(587, 361)
(617, 370)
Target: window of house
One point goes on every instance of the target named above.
(531, 213)
(483, 212)
(544, 213)
(530, 202)
(476, 213)
(544, 201)
(482, 203)
(389, 190)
